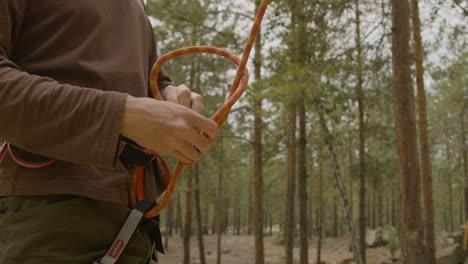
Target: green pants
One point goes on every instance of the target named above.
(64, 229)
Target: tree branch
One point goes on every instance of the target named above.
(465, 11)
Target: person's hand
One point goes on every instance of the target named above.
(168, 128)
(184, 96)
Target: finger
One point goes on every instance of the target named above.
(170, 94)
(184, 96)
(204, 124)
(201, 143)
(197, 102)
(181, 157)
(188, 150)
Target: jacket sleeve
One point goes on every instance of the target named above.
(40, 115)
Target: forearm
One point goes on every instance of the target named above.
(70, 123)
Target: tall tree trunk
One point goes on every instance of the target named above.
(238, 214)
(423, 139)
(201, 244)
(320, 209)
(249, 212)
(339, 183)
(350, 169)
(188, 218)
(380, 195)
(411, 236)
(302, 184)
(219, 202)
(258, 158)
(362, 153)
(290, 183)
(460, 204)
(301, 55)
(465, 159)
(179, 216)
(226, 214)
(374, 207)
(394, 206)
(335, 217)
(450, 191)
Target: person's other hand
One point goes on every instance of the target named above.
(168, 128)
(184, 96)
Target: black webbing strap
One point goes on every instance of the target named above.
(134, 154)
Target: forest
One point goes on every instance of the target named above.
(349, 144)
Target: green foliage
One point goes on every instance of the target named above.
(278, 238)
(391, 234)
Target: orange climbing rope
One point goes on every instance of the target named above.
(237, 89)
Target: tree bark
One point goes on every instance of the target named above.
(423, 138)
(321, 208)
(302, 182)
(188, 218)
(201, 244)
(450, 191)
(219, 202)
(179, 217)
(411, 236)
(249, 212)
(350, 169)
(362, 153)
(465, 159)
(339, 183)
(258, 158)
(290, 185)
(301, 55)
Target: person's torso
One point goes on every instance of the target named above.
(101, 44)
(97, 44)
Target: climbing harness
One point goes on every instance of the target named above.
(141, 158)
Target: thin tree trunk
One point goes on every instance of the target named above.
(380, 205)
(179, 217)
(465, 159)
(394, 209)
(350, 169)
(290, 185)
(362, 177)
(424, 139)
(220, 211)
(335, 217)
(249, 212)
(258, 158)
(320, 209)
(411, 236)
(374, 207)
(339, 183)
(450, 192)
(460, 205)
(238, 214)
(188, 218)
(302, 184)
(226, 214)
(201, 244)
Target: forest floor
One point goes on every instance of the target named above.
(240, 250)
